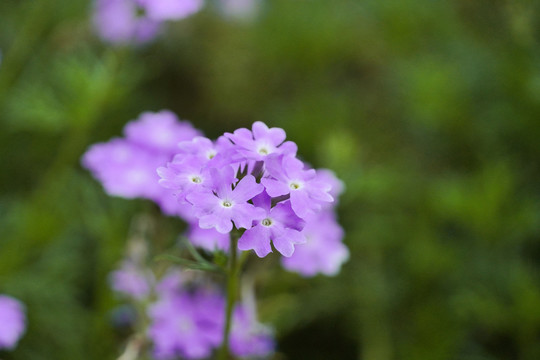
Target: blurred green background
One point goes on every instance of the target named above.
(428, 110)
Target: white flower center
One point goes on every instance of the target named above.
(210, 154)
(295, 185)
(263, 150)
(196, 179)
(226, 203)
(267, 222)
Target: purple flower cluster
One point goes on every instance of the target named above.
(12, 321)
(190, 324)
(187, 319)
(138, 21)
(126, 167)
(250, 180)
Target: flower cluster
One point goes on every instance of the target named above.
(126, 166)
(249, 179)
(138, 21)
(12, 321)
(252, 180)
(187, 317)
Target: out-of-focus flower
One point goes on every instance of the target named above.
(186, 324)
(249, 338)
(170, 9)
(131, 281)
(126, 167)
(12, 321)
(190, 325)
(119, 22)
(323, 252)
(209, 239)
(138, 21)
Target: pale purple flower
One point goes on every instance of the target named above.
(190, 169)
(323, 252)
(187, 176)
(186, 325)
(12, 321)
(249, 338)
(336, 185)
(209, 239)
(205, 149)
(288, 176)
(170, 9)
(223, 206)
(131, 281)
(159, 131)
(280, 224)
(117, 22)
(261, 141)
(126, 167)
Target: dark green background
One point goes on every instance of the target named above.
(428, 110)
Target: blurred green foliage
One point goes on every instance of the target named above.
(428, 110)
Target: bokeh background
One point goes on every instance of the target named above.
(428, 110)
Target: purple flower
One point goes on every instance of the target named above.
(336, 185)
(216, 209)
(160, 131)
(126, 167)
(131, 281)
(249, 338)
(170, 9)
(209, 239)
(187, 325)
(117, 22)
(186, 175)
(12, 321)
(280, 224)
(288, 176)
(323, 252)
(205, 149)
(261, 142)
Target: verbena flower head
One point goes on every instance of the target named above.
(250, 180)
(12, 321)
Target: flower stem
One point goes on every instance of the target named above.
(233, 274)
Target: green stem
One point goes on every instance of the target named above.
(233, 275)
